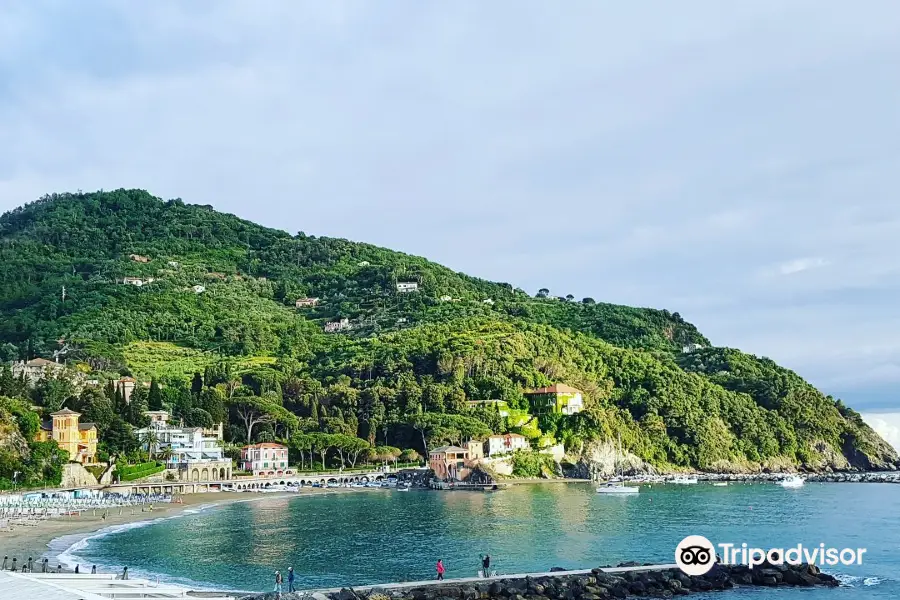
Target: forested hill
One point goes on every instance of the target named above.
(218, 297)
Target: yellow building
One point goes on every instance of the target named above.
(78, 439)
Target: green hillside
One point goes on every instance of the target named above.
(407, 360)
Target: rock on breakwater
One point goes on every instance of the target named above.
(598, 584)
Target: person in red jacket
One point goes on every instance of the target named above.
(440, 569)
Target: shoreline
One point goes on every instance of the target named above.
(54, 537)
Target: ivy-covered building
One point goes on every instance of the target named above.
(557, 398)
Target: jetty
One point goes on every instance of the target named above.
(628, 580)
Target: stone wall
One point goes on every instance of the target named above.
(74, 475)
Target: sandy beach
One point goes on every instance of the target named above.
(32, 541)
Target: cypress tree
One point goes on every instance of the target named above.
(154, 400)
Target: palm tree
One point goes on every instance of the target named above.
(151, 439)
(166, 453)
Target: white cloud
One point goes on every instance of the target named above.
(887, 425)
(801, 264)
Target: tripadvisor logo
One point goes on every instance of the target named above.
(695, 555)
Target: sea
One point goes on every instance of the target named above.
(372, 536)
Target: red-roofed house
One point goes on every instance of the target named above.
(557, 398)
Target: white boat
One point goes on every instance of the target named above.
(792, 482)
(402, 489)
(720, 484)
(684, 480)
(615, 486)
(618, 489)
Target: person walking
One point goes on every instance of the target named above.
(440, 569)
(30, 565)
(278, 581)
(14, 568)
(76, 569)
(290, 579)
(125, 573)
(94, 570)
(45, 565)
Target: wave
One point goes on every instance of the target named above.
(854, 580)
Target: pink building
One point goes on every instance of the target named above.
(265, 459)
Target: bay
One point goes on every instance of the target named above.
(376, 536)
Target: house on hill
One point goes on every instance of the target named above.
(335, 326)
(137, 281)
(35, 369)
(139, 258)
(405, 287)
(306, 302)
(199, 289)
(79, 440)
(557, 398)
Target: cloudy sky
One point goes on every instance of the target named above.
(737, 162)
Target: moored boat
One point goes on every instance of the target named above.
(793, 481)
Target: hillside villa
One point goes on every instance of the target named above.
(265, 459)
(338, 325)
(557, 398)
(137, 281)
(404, 287)
(36, 368)
(306, 302)
(505, 443)
(193, 454)
(78, 439)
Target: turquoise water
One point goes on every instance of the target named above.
(372, 536)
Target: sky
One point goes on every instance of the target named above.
(736, 162)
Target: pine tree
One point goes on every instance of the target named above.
(197, 384)
(314, 410)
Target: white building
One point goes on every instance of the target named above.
(404, 287)
(196, 457)
(446, 298)
(265, 459)
(691, 347)
(306, 302)
(505, 443)
(488, 301)
(199, 289)
(338, 326)
(137, 281)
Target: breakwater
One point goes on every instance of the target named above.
(602, 583)
(839, 477)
